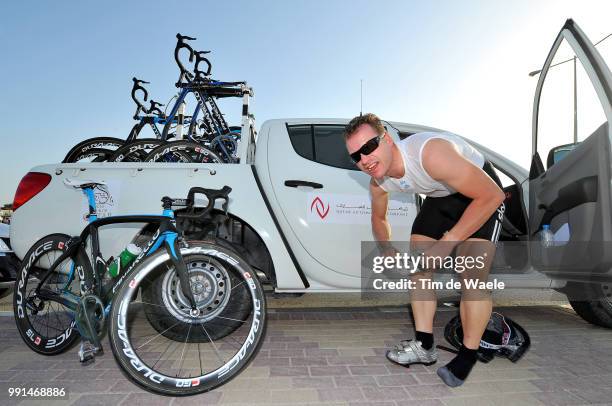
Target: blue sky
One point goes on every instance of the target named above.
(459, 65)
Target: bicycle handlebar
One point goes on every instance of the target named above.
(197, 74)
(180, 44)
(200, 75)
(212, 195)
(184, 37)
(136, 87)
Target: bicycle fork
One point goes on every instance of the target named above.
(172, 246)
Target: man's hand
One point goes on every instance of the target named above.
(435, 256)
(386, 249)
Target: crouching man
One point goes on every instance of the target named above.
(462, 212)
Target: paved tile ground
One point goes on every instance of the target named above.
(336, 357)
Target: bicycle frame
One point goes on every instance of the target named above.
(166, 234)
(151, 116)
(153, 121)
(214, 120)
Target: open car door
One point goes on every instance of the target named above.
(572, 196)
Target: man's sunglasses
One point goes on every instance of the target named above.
(367, 148)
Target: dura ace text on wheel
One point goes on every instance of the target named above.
(93, 155)
(46, 327)
(174, 150)
(179, 366)
(109, 144)
(135, 151)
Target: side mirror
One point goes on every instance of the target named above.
(558, 153)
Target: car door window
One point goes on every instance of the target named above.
(330, 148)
(322, 143)
(301, 140)
(569, 109)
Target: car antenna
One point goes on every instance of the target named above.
(361, 99)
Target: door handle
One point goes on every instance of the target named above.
(296, 183)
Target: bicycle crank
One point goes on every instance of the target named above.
(90, 318)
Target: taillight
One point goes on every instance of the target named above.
(31, 185)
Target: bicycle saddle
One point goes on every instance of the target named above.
(83, 184)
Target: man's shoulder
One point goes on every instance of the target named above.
(429, 134)
(412, 145)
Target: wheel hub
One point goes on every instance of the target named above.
(210, 287)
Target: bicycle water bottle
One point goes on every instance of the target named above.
(547, 239)
(125, 259)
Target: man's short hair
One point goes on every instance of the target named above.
(370, 118)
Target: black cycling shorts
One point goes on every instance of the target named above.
(440, 214)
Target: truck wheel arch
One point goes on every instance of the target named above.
(238, 235)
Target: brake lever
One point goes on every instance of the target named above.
(154, 108)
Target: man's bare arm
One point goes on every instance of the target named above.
(380, 225)
(443, 162)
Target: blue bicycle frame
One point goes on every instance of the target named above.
(165, 234)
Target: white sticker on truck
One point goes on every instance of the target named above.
(107, 200)
(333, 208)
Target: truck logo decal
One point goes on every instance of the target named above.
(354, 209)
(320, 207)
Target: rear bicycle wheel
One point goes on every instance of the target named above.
(135, 151)
(93, 155)
(183, 151)
(47, 327)
(176, 366)
(81, 149)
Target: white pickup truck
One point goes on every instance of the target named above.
(300, 209)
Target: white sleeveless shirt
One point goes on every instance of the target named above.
(416, 179)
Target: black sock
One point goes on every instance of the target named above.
(426, 339)
(462, 364)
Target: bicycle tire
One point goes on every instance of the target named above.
(107, 143)
(123, 324)
(135, 151)
(183, 151)
(35, 339)
(94, 155)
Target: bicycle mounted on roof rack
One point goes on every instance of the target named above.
(152, 115)
(137, 149)
(210, 132)
(216, 131)
(210, 139)
(101, 149)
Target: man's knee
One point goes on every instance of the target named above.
(422, 290)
